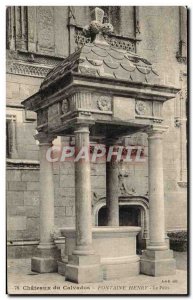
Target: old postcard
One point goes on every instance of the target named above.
(96, 140)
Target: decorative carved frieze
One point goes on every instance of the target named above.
(119, 42)
(27, 69)
(30, 64)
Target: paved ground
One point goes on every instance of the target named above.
(22, 281)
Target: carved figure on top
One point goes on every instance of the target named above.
(97, 28)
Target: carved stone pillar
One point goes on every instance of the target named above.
(83, 265)
(47, 254)
(157, 260)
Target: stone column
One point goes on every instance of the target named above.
(157, 260)
(83, 265)
(47, 254)
(112, 193)
(112, 181)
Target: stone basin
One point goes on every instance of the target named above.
(116, 247)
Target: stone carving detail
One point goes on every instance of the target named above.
(104, 103)
(140, 107)
(122, 185)
(27, 69)
(96, 26)
(115, 41)
(95, 198)
(80, 39)
(119, 43)
(65, 106)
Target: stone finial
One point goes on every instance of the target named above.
(97, 14)
(96, 29)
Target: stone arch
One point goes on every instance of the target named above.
(138, 201)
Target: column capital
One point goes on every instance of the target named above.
(44, 138)
(156, 130)
(81, 128)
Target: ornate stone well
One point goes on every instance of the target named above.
(101, 93)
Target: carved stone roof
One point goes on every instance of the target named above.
(103, 60)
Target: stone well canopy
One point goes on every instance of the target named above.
(100, 93)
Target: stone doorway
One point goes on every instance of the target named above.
(129, 215)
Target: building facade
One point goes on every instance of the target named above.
(38, 38)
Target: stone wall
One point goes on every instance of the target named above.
(160, 31)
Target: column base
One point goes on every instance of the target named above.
(62, 267)
(157, 263)
(45, 260)
(83, 269)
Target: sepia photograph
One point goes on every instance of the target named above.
(96, 150)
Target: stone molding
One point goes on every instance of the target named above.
(154, 131)
(44, 139)
(22, 164)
